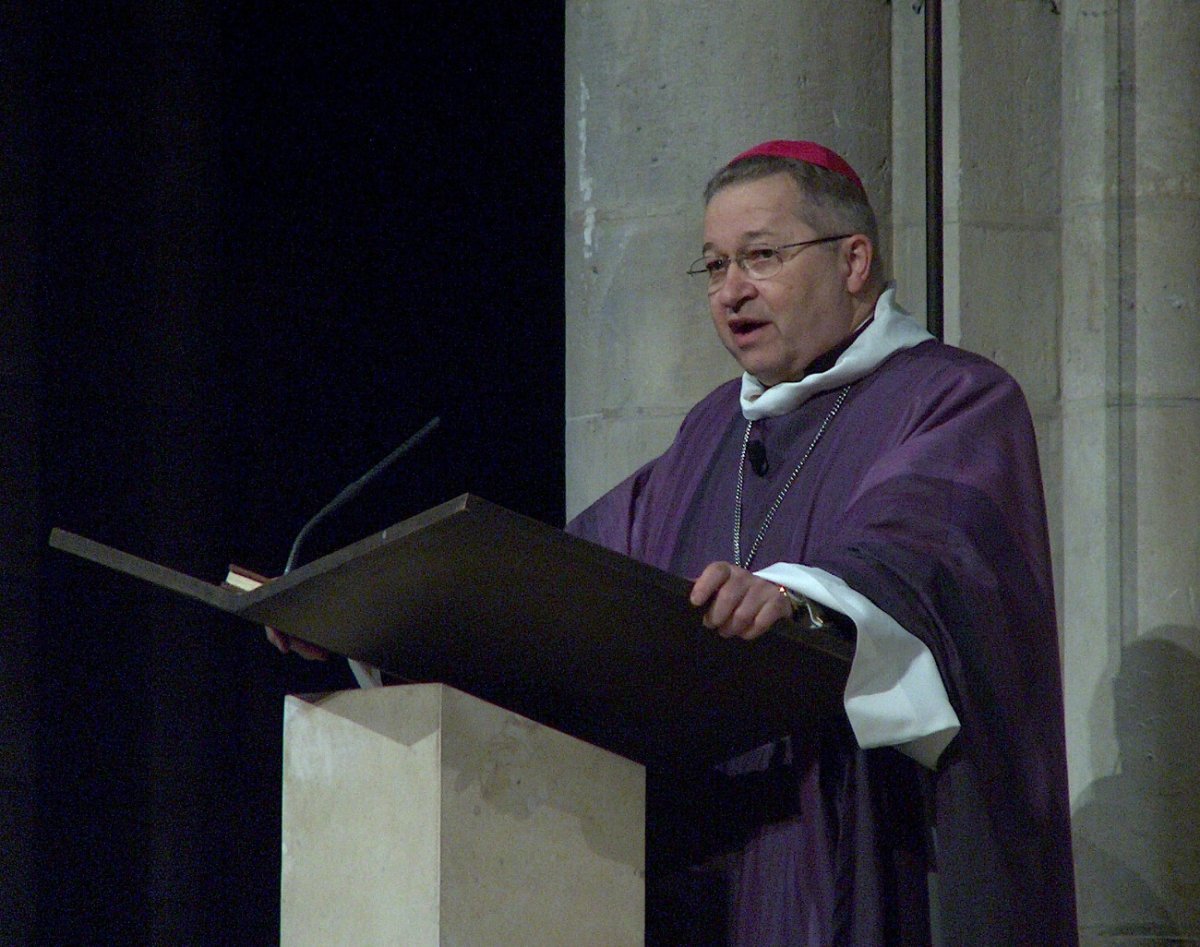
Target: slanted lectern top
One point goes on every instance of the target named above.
(553, 627)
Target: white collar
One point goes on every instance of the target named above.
(891, 330)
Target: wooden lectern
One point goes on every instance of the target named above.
(465, 808)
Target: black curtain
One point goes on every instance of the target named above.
(262, 249)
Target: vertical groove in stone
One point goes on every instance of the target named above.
(1125, 392)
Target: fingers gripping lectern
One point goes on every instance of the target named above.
(498, 798)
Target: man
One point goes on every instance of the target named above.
(860, 472)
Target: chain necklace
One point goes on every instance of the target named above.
(737, 501)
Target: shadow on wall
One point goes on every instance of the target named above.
(1137, 832)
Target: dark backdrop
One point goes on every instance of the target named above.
(251, 253)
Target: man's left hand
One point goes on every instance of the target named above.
(739, 603)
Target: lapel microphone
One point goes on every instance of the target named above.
(757, 453)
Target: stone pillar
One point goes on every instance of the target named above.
(658, 96)
(1073, 229)
(1131, 419)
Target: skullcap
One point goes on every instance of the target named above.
(808, 151)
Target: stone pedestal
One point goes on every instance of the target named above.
(419, 815)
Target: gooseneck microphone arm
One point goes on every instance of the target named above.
(353, 489)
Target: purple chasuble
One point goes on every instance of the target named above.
(924, 495)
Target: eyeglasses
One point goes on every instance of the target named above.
(755, 262)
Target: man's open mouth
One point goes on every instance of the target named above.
(741, 327)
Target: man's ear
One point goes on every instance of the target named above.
(858, 255)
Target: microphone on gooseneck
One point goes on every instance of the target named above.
(756, 451)
(353, 489)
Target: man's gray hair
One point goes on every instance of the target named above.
(830, 202)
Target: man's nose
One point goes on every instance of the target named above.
(737, 288)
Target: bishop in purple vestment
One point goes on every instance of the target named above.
(860, 473)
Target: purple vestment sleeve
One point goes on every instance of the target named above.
(946, 533)
(610, 520)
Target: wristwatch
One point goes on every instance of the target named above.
(804, 610)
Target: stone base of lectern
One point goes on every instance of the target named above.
(419, 815)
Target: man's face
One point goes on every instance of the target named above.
(775, 327)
